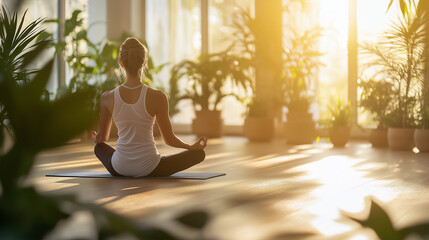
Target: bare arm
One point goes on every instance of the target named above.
(166, 129)
(105, 119)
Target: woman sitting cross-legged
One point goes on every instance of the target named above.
(134, 107)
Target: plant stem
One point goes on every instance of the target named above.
(410, 57)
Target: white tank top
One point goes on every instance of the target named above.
(136, 153)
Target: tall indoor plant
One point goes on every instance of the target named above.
(377, 98)
(206, 78)
(258, 125)
(18, 43)
(300, 68)
(399, 58)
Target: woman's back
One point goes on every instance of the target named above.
(133, 107)
(136, 153)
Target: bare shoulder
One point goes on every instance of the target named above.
(107, 98)
(157, 95)
(158, 102)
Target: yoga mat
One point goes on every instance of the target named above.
(105, 174)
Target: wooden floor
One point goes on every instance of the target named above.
(270, 191)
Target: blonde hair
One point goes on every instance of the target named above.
(133, 55)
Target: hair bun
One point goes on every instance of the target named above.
(133, 55)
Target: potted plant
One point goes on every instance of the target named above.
(206, 78)
(300, 66)
(398, 57)
(377, 98)
(421, 134)
(339, 124)
(257, 125)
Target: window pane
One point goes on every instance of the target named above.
(373, 21)
(333, 44)
(70, 7)
(173, 33)
(221, 19)
(41, 9)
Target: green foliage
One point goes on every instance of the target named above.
(379, 221)
(377, 98)
(300, 66)
(341, 114)
(399, 58)
(244, 35)
(174, 96)
(301, 61)
(86, 59)
(16, 42)
(196, 219)
(207, 76)
(424, 116)
(19, 45)
(244, 43)
(407, 6)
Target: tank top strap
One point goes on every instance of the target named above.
(142, 100)
(117, 102)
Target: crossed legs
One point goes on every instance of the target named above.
(177, 162)
(167, 166)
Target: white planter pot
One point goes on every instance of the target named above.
(400, 138)
(378, 138)
(299, 128)
(339, 135)
(421, 139)
(259, 129)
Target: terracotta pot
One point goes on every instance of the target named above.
(299, 128)
(421, 139)
(259, 128)
(400, 138)
(207, 123)
(339, 135)
(378, 138)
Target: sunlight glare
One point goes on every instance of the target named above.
(329, 227)
(277, 160)
(360, 237)
(344, 185)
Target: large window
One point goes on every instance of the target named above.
(373, 21)
(173, 33)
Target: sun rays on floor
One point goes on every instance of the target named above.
(270, 191)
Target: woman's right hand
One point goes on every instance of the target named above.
(93, 136)
(200, 144)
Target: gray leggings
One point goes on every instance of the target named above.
(167, 166)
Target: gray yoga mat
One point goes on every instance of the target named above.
(105, 174)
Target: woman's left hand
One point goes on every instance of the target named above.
(200, 144)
